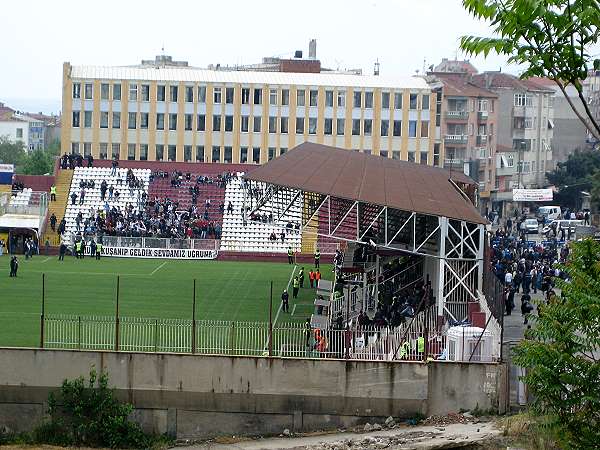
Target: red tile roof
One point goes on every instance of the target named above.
(491, 80)
(460, 85)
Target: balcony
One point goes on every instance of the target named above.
(455, 139)
(454, 163)
(482, 139)
(482, 116)
(457, 115)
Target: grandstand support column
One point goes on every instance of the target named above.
(441, 269)
(480, 257)
(377, 273)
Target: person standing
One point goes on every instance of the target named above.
(301, 277)
(61, 251)
(53, 222)
(114, 164)
(290, 254)
(73, 198)
(296, 287)
(93, 248)
(14, 266)
(317, 257)
(311, 278)
(53, 193)
(285, 297)
(98, 250)
(317, 278)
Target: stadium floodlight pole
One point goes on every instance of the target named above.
(194, 319)
(271, 321)
(117, 318)
(43, 310)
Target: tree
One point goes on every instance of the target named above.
(562, 352)
(574, 175)
(11, 152)
(551, 38)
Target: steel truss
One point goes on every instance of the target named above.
(454, 248)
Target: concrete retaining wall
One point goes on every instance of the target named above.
(202, 396)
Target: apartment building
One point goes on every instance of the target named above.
(469, 124)
(18, 127)
(167, 111)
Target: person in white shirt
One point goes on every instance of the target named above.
(508, 278)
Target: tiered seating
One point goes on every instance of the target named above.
(254, 236)
(92, 195)
(22, 198)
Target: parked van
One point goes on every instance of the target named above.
(549, 213)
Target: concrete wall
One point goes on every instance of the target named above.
(200, 396)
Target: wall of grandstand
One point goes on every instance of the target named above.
(192, 396)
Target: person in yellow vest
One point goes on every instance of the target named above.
(317, 257)
(290, 254)
(77, 249)
(98, 250)
(296, 287)
(53, 193)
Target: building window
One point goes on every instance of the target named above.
(87, 119)
(369, 100)
(367, 127)
(395, 154)
(216, 122)
(201, 124)
(425, 101)
(245, 96)
(189, 98)
(341, 99)
(228, 123)
(413, 101)
(199, 153)
(229, 95)
(74, 121)
(271, 153)
(357, 99)
(300, 97)
(160, 121)
(257, 96)
(143, 152)
(132, 92)
(160, 96)
(256, 124)
(243, 155)
(329, 98)
(385, 100)
(313, 97)
(411, 157)
(216, 154)
(245, 123)
(412, 128)
(355, 127)
(227, 157)
(283, 123)
(201, 94)
(172, 153)
(173, 91)
(299, 125)
(187, 153)
(89, 91)
(103, 119)
(217, 95)
(103, 153)
(385, 127)
(328, 126)
(436, 154)
(282, 151)
(76, 90)
(272, 96)
(132, 121)
(383, 153)
(116, 120)
(117, 91)
(312, 125)
(285, 97)
(116, 151)
(256, 155)
(87, 148)
(145, 92)
(188, 119)
(144, 121)
(104, 88)
(398, 100)
(397, 131)
(423, 157)
(172, 122)
(424, 128)
(339, 127)
(74, 148)
(160, 152)
(367, 152)
(272, 124)
(482, 105)
(131, 152)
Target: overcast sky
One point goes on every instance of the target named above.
(38, 36)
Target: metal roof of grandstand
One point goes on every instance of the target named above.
(192, 74)
(356, 176)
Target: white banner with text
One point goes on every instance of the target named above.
(532, 195)
(166, 253)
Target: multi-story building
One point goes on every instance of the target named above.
(591, 92)
(19, 127)
(468, 123)
(172, 112)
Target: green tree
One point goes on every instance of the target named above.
(550, 38)
(562, 353)
(37, 162)
(11, 152)
(574, 175)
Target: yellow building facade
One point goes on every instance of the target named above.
(186, 114)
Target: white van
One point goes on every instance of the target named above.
(564, 223)
(549, 213)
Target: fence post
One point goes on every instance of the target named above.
(231, 338)
(271, 322)
(79, 332)
(43, 310)
(155, 335)
(194, 320)
(426, 338)
(117, 318)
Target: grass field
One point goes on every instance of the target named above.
(225, 290)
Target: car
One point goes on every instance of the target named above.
(566, 224)
(531, 226)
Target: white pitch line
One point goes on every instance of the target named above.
(280, 304)
(294, 308)
(158, 268)
(46, 260)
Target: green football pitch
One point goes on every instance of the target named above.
(152, 288)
